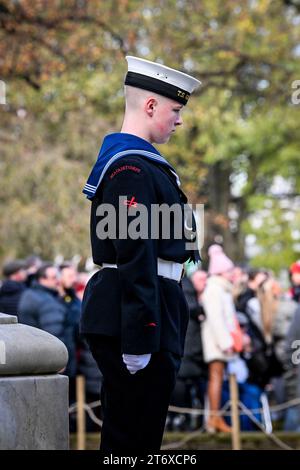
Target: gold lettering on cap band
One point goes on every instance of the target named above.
(183, 95)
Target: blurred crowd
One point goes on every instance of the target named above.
(241, 322)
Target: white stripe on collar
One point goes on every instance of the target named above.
(118, 155)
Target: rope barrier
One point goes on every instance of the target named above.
(271, 435)
(180, 444)
(198, 412)
(92, 415)
(244, 411)
(192, 435)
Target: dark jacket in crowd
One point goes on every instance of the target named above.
(42, 308)
(293, 353)
(10, 294)
(192, 365)
(243, 299)
(73, 311)
(296, 293)
(262, 361)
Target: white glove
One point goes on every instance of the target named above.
(136, 362)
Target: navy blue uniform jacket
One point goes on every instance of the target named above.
(146, 311)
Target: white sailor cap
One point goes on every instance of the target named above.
(160, 79)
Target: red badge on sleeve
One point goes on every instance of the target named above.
(124, 168)
(130, 202)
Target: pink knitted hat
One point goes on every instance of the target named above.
(218, 263)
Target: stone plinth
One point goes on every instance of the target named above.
(33, 396)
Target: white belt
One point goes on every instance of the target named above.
(108, 265)
(168, 269)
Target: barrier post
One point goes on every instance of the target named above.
(235, 420)
(80, 398)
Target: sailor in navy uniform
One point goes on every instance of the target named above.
(134, 314)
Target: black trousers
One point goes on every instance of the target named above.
(134, 406)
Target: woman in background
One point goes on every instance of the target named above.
(221, 335)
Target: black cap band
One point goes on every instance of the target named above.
(157, 86)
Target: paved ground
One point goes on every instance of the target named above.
(203, 441)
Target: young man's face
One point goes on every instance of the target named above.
(165, 120)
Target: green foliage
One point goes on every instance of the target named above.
(275, 224)
(64, 66)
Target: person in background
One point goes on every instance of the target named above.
(190, 385)
(86, 364)
(260, 304)
(68, 278)
(82, 280)
(248, 301)
(219, 329)
(33, 263)
(67, 281)
(282, 389)
(12, 287)
(268, 295)
(295, 280)
(199, 280)
(292, 416)
(292, 356)
(40, 305)
(239, 281)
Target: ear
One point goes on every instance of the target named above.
(150, 106)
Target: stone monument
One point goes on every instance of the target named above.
(33, 394)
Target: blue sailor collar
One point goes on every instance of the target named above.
(116, 146)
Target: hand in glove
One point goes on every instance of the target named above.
(136, 362)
